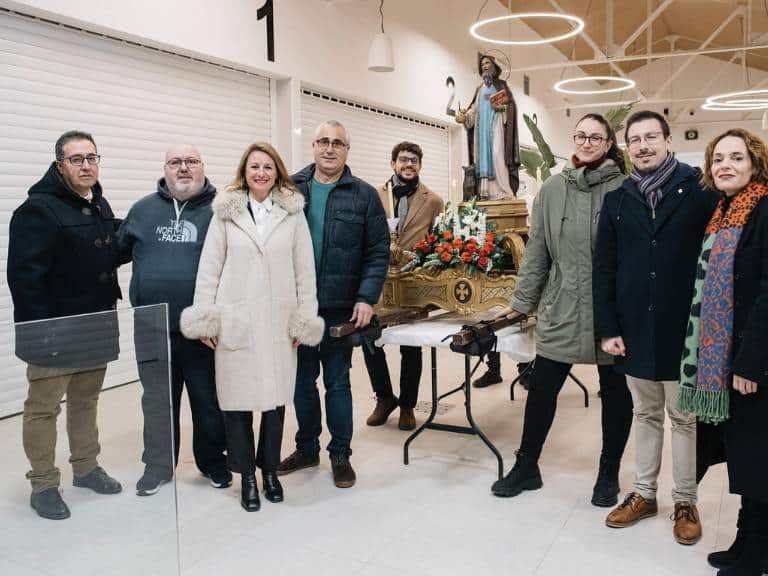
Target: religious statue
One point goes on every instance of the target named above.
(491, 123)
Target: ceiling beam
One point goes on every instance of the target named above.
(680, 69)
(598, 51)
(646, 23)
(657, 55)
(704, 89)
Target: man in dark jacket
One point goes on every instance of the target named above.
(163, 234)
(351, 244)
(62, 262)
(649, 238)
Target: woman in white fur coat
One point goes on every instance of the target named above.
(255, 302)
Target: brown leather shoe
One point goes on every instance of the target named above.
(384, 407)
(297, 461)
(407, 419)
(343, 474)
(687, 528)
(631, 511)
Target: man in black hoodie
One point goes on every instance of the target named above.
(62, 262)
(163, 235)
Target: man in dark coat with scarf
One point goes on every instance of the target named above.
(62, 273)
(644, 266)
(491, 123)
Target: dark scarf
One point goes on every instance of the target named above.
(593, 165)
(401, 188)
(706, 371)
(650, 184)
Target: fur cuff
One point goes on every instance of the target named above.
(308, 331)
(200, 321)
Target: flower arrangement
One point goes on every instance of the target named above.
(459, 237)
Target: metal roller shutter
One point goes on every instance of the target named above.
(135, 101)
(373, 132)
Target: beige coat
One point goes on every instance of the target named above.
(423, 207)
(255, 294)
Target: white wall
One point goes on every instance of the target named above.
(324, 44)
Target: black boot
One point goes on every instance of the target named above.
(726, 558)
(753, 560)
(249, 493)
(273, 490)
(524, 475)
(606, 491)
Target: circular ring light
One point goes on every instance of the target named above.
(735, 101)
(575, 21)
(626, 83)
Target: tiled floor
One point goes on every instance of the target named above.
(435, 516)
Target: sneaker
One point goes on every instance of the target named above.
(384, 407)
(407, 419)
(525, 475)
(153, 478)
(98, 481)
(297, 461)
(343, 474)
(219, 478)
(487, 379)
(49, 504)
(631, 511)
(687, 528)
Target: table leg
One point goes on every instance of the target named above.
(433, 411)
(471, 419)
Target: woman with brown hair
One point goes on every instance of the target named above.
(255, 302)
(555, 279)
(724, 371)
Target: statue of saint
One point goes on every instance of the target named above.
(491, 123)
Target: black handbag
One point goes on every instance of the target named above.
(480, 345)
(365, 336)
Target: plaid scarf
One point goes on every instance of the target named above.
(650, 184)
(705, 370)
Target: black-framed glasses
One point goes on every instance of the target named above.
(595, 139)
(78, 159)
(176, 163)
(408, 160)
(650, 138)
(325, 142)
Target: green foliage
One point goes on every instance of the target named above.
(548, 159)
(616, 116)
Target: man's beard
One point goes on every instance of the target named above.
(487, 77)
(185, 191)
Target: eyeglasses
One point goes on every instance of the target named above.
(325, 142)
(650, 138)
(408, 160)
(78, 159)
(176, 163)
(595, 139)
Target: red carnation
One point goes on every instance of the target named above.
(466, 257)
(490, 237)
(448, 235)
(446, 256)
(458, 243)
(483, 261)
(431, 238)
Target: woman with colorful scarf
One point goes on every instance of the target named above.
(724, 371)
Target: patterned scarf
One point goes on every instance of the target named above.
(705, 370)
(650, 184)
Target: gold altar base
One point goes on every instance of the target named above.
(452, 289)
(509, 215)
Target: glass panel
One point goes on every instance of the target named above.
(76, 393)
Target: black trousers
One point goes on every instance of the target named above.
(546, 381)
(191, 365)
(410, 373)
(494, 364)
(244, 457)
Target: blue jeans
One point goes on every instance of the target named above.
(336, 360)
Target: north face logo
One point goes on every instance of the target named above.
(183, 231)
